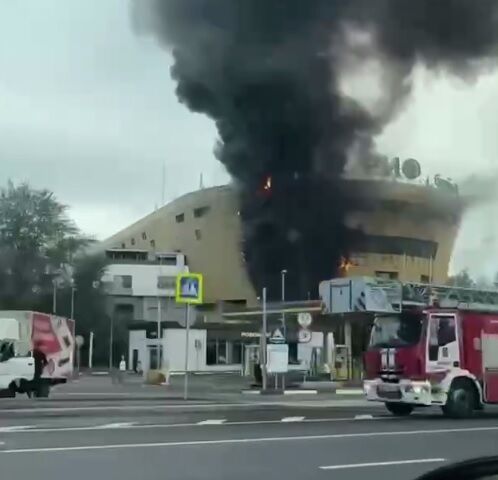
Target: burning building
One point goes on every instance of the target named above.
(273, 76)
(407, 230)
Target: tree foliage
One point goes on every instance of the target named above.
(40, 246)
(462, 279)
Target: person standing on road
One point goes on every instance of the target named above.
(41, 362)
(122, 369)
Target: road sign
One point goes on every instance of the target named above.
(277, 358)
(80, 341)
(189, 288)
(277, 336)
(304, 319)
(304, 335)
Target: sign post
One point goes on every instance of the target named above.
(189, 290)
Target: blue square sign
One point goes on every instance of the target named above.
(189, 288)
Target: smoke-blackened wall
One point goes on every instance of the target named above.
(269, 73)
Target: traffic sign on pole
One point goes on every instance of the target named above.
(189, 288)
(277, 336)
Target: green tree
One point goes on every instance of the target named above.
(40, 245)
(37, 240)
(462, 279)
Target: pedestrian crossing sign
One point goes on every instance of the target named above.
(189, 288)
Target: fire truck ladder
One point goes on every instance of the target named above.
(449, 297)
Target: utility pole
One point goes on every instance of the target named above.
(54, 296)
(111, 341)
(284, 324)
(73, 290)
(264, 382)
(159, 314)
(90, 352)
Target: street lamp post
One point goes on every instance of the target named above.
(283, 273)
(284, 325)
(73, 291)
(111, 341)
(54, 296)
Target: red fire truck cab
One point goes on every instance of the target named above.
(441, 349)
(429, 344)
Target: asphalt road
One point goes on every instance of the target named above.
(238, 441)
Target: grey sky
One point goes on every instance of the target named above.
(88, 110)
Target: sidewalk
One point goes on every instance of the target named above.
(217, 387)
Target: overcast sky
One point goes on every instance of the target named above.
(88, 110)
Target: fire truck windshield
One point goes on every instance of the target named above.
(396, 330)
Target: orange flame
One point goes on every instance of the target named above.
(345, 265)
(267, 185)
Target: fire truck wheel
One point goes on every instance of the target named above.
(461, 400)
(399, 409)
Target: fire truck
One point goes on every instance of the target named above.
(429, 345)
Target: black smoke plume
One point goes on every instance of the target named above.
(269, 73)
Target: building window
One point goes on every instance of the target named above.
(153, 243)
(201, 211)
(132, 241)
(144, 236)
(293, 359)
(424, 278)
(388, 275)
(123, 245)
(180, 218)
(166, 282)
(124, 281)
(216, 352)
(198, 234)
(168, 260)
(234, 352)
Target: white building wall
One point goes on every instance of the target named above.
(137, 341)
(174, 349)
(144, 277)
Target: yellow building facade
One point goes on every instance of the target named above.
(408, 232)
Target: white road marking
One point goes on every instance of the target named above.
(112, 426)
(322, 404)
(16, 428)
(214, 421)
(292, 419)
(300, 392)
(176, 425)
(339, 436)
(382, 464)
(136, 426)
(349, 391)
(363, 417)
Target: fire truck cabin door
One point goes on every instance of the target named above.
(489, 345)
(443, 352)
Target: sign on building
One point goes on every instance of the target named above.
(189, 288)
